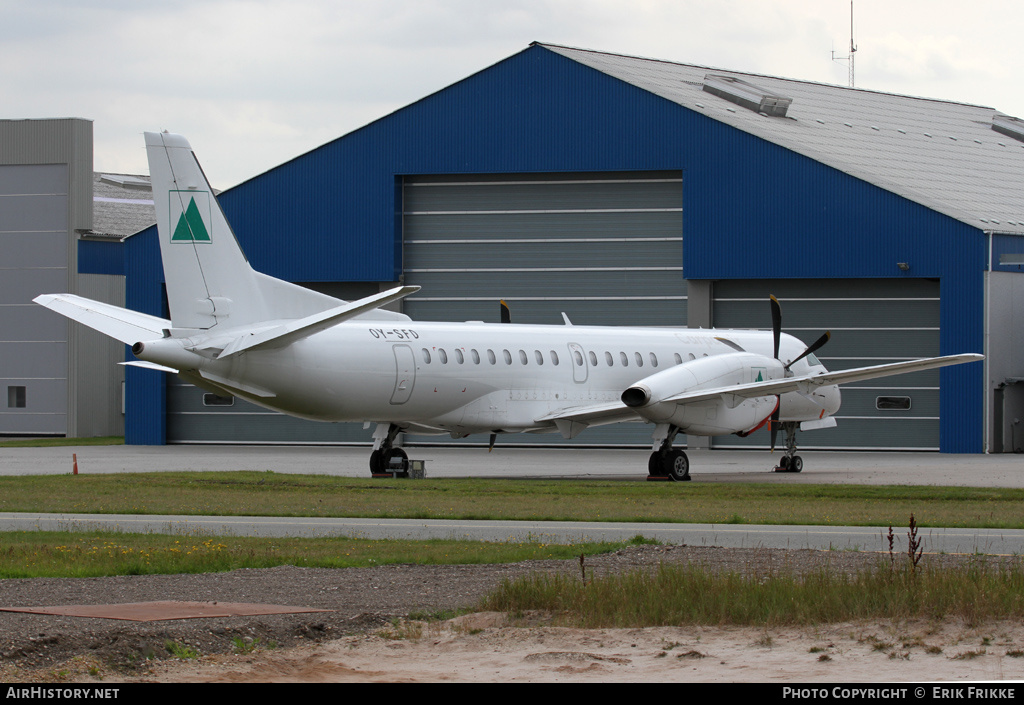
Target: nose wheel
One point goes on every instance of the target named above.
(791, 462)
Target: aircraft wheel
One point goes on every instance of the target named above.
(375, 464)
(654, 465)
(783, 465)
(677, 466)
(796, 464)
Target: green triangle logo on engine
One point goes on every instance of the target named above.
(190, 226)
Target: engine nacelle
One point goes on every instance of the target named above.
(718, 416)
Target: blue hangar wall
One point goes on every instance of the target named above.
(752, 209)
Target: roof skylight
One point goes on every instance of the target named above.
(1009, 126)
(747, 95)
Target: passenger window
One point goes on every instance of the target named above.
(608, 358)
(426, 356)
(554, 358)
(522, 357)
(623, 359)
(539, 356)
(442, 356)
(593, 359)
(579, 357)
(639, 359)
(679, 359)
(508, 356)
(654, 360)
(490, 357)
(459, 358)
(476, 356)
(692, 356)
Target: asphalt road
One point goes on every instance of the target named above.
(1004, 470)
(570, 464)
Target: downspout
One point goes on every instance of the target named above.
(987, 335)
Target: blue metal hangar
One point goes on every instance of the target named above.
(623, 190)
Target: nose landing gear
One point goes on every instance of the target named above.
(790, 462)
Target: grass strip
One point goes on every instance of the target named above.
(278, 494)
(676, 595)
(35, 554)
(59, 442)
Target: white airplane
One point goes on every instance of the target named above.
(237, 332)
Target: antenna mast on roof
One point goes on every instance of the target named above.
(853, 48)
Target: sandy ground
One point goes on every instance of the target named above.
(365, 635)
(477, 648)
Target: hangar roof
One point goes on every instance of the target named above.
(122, 204)
(943, 155)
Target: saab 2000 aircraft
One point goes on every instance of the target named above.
(237, 332)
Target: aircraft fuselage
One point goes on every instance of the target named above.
(464, 378)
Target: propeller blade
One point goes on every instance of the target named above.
(776, 326)
(773, 425)
(506, 314)
(812, 347)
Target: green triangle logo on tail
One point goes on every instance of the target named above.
(190, 227)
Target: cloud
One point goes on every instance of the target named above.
(254, 82)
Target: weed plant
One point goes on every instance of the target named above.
(676, 595)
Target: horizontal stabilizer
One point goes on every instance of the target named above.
(148, 366)
(119, 323)
(305, 327)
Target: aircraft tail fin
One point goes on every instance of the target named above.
(209, 280)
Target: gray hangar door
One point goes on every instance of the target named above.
(605, 248)
(33, 261)
(873, 321)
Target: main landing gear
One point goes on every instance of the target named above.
(386, 458)
(790, 462)
(668, 463)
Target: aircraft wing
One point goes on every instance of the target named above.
(571, 420)
(119, 323)
(807, 383)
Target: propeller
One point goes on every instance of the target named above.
(812, 347)
(506, 314)
(776, 339)
(773, 425)
(776, 326)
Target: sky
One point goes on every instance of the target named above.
(254, 83)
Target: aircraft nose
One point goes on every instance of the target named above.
(833, 399)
